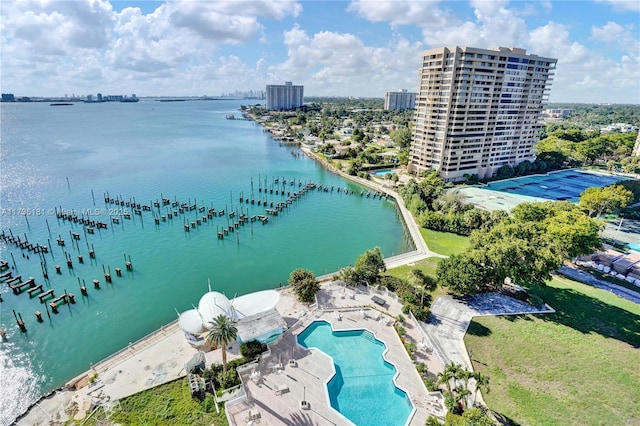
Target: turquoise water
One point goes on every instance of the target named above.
(383, 173)
(563, 185)
(634, 246)
(71, 157)
(362, 389)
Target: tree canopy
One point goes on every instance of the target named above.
(304, 284)
(369, 265)
(525, 247)
(598, 201)
(223, 330)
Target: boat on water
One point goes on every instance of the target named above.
(60, 104)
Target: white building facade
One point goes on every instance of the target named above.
(478, 109)
(284, 97)
(636, 147)
(400, 100)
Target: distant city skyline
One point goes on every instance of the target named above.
(332, 48)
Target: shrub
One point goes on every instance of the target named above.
(228, 379)
(252, 349)
(208, 404)
(431, 383)
(391, 283)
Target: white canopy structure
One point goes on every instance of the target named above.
(213, 304)
(190, 322)
(254, 313)
(255, 303)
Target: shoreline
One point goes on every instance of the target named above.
(79, 383)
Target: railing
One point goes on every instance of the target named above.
(425, 336)
(123, 353)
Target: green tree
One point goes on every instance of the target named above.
(369, 265)
(451, 372)
(525, 247)
(505, 172)
(304, 284)
(348, 276)
(460, 275)
(482, 383)
(432, 421)
(417, 278)
(471, 417)
(222, 331)
(402, 137)
(605, 200)
(431, 187)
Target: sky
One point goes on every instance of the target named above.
(359, 48)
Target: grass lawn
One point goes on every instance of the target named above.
(168, 404)
(444, 242)
(427, 266)
(579, 366)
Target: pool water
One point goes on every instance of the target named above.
(383, 173)
(563, 185)
(634, 246)
(362, 389)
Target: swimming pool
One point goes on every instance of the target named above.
(362, 389)
(562, 185)
(383, 173)
(634, 246)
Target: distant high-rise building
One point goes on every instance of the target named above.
(478, 109)
(8, 97)
(400, 100)
(636, 147)
(284, 96)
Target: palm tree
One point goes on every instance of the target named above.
(482, 381)
(445, 376)
(452, 371)
(222, 331)
(432, 421)
(466, 375)
(451, 402)
(461, 394)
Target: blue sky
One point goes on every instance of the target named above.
(333, 48)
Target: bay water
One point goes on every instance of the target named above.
(71, 157)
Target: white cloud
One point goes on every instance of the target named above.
(197, 47)
(57, 28)
(552, 40)
(618, 37)
(402, 12)
(623, 5)
(330, 63)
(85, 45)
(579, 68)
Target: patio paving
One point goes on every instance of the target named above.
(312, 369)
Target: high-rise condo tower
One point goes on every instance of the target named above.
(478, 109)
(284, 97)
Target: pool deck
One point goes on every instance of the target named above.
(160, 358)
(311, 369)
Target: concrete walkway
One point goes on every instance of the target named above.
(586, 278)
(421, 250)
(450, 319)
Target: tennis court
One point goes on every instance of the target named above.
(557, 186)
